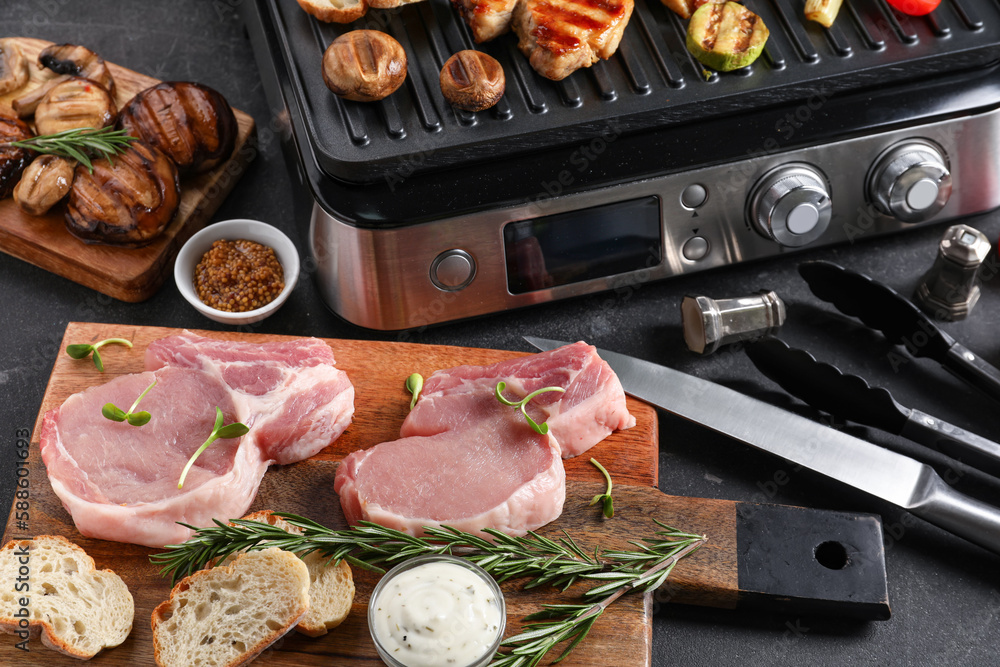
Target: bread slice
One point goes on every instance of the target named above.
(389, 4)
(331, 588)
(227, 615)
(335, 11)
(77, 609)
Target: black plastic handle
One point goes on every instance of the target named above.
(969, 448)
(973, 369)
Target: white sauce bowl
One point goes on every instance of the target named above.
(231, 230)
(385, 587)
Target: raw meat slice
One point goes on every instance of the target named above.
(592, 407)
(468, 461)
(300, 402)
(498, 474)
(119, 482)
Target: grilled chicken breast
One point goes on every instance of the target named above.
(486, 18)
(561, 36)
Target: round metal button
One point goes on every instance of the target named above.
(695, 248)
(790, 205)
(694, 196)
(802, 219)
(922, 194)
(910, 181)
(453, 270)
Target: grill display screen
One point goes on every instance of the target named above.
(582, 245)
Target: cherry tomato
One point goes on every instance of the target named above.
(915, 7)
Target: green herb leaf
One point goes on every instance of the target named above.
(541, 429)
(113, 412)
(234, 430)
(81, 350)
(138, 418)
(607, 505)
(414, 384)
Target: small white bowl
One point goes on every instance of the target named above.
(231, 230)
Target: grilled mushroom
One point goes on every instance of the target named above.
(12, 160)
(193, 124)
(128, 202)
(364, 65)
(472, 80)
(65, 60)
(44, 183)
(13, 67)
(74, 103)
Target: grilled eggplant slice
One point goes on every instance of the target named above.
(726, 36)
(193, 124)
(127, 202)
(13, 160)
(75, 103)
(13, 67)
(44, 184)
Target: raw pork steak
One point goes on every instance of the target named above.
(119, 482)
(467, 461)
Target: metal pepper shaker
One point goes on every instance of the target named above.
(951, 288)
(710, 323)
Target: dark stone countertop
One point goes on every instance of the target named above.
(943, 591)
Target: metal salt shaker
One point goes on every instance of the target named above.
(951, 288)
(711, 323)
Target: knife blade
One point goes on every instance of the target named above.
(892, 477)
(881, 307)
(826, 388)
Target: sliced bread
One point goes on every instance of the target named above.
(331, 589)
(75, 608)
(227, 615)
(335, 11)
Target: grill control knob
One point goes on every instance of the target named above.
(790, 205)
(910, 181)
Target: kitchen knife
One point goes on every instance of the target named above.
(893, 477)
(826, 388)
(883, 308)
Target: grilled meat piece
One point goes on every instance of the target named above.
(12, 160)
(73, 104)
(561, 36)
(128, 202)
(193, 124)
(486, 18)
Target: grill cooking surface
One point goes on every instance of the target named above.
(652, 80)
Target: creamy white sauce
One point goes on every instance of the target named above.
(436, 614)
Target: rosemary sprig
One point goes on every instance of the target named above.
(541, 560)
(81, 144)
(541, 429)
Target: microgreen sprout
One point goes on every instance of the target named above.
(234, 430)
(81, 350)
(607, 504)
(116, 414)
(538, 428)
(414, 384)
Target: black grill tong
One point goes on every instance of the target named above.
(850, 397)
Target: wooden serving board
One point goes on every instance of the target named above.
(713, 576)
(128, 274)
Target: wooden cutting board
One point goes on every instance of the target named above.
(128, 274)
(712, 576)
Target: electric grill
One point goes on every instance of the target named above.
(639, 168)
